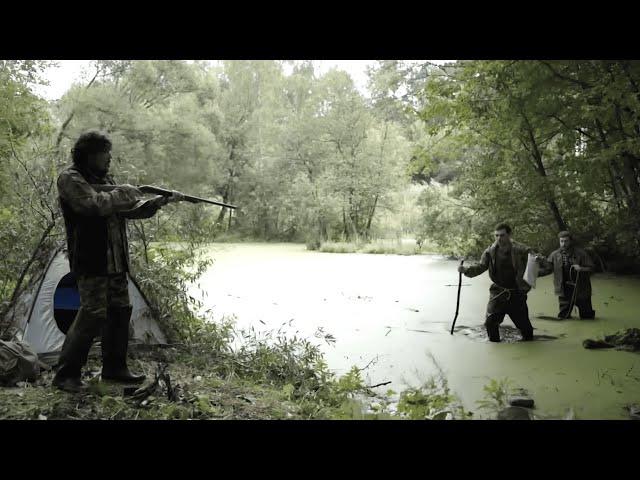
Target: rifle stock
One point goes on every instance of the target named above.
(165, 193)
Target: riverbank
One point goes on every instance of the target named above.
(404, 246)
(182, 385)
(192, 393)
(349, 336)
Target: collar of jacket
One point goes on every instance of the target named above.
(514, 246)
(91, 178)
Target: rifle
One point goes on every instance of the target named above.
(165, 193)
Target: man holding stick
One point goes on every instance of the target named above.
(571, 267)
(506, 261)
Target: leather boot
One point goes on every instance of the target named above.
(69, 384)
(115, 343)
(75, 351)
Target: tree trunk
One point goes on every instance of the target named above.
(223, 210)
(371, 213)
(537, 157)
(625, 183)
(556, 215)
(630, 179)
(345, 232)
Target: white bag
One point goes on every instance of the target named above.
(531, 272)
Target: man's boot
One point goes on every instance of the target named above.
(493, 331)
(75, 351)
(115, 342)
(527, 335)
(69, 384)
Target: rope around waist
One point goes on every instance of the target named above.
(503, 291)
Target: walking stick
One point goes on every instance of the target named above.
(457, 301)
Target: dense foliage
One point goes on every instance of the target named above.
(545, 145)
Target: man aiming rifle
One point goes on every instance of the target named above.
(95, 210)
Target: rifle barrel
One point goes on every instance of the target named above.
(166, 193)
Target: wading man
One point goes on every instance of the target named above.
(506, 261)
(571, 267)
(99, 259)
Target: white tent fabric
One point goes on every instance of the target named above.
(34, 312)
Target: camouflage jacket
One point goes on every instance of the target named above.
(95, 223)
(488, 262)
(553, 264)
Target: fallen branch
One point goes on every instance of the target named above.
(379, 384)
(143, 392)
(368, 364)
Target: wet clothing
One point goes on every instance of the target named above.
(556, 265)
(508, 293)
(488, 262)
(99, 258)
(512, 303)
(585, 308)
(565, 278)
(505, 273)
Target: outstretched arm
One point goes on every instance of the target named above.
(477, 269)
(546, 266)
(84, 200)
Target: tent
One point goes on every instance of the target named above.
(44, 312)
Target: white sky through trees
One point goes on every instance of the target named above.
(69, 72)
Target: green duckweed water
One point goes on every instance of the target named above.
(392, 314)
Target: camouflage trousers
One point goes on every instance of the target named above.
(104, 307)
(96, 293)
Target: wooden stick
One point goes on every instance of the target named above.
(458, 300)
(379, 384)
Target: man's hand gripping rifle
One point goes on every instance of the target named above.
(169, 195)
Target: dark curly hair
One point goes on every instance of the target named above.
(91, 141)
(503, 226)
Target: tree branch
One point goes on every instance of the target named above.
(557, 74)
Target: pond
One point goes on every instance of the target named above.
(392, 314)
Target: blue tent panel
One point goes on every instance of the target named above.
(66, 298)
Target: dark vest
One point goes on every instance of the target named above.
(87, 236)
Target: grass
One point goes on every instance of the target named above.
(276, 380)
(273, 384)
(264, 378)
(202, 395)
